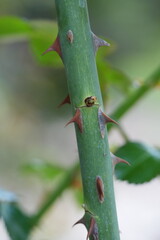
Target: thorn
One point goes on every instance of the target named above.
(107, 119)
(91, 227)
(77, 118)
(93, 230)
(100, 188)
(66, 100)
(55, 47)
(117, 160)
(98, 42)
(103, 119)
(81, 221)
(70, 36)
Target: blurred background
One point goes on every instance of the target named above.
(32, 127)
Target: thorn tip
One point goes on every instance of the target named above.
(98, 42)
(65, 101)
(117, 160)
(100, 189)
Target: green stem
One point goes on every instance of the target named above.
(96, 166)
(65, 183)
(136, 95)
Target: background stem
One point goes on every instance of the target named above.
(136, 95)
(64, 184)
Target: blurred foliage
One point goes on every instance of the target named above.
(18, 224)
(38, 33)
(13, 25)
(43, 169)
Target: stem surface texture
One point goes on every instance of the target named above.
(78, 55)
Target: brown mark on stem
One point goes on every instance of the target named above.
(100, 189)
(103, 120)
(77, 118)
(70, 36)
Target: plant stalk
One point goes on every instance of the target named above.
(65, 183)
(78, 54)
(136, 95)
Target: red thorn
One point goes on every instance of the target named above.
(91, 227)
(81, 221)
(77, 118)
(100, 188)
(93, 230)
(55, 47)
(98, 42)
(65, 101)
(103, 119)
(107, 119)
(117, 160)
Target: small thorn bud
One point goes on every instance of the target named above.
(117, 160)
(103, 119)
(98, 42)
(54, 47)
(65, 101)
(100, 189)
(90, 101)
(70, 36)
(86, 209)
(77, 118)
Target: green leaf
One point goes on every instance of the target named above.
(144, 160)
(43, 169)
(18, 224)
(13, 25)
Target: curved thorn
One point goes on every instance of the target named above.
(107, 119)
(81, 221)
(98, 42)
(77, 118)
(55, 47)
(117, 160)
(65, 101)
(103, 119)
